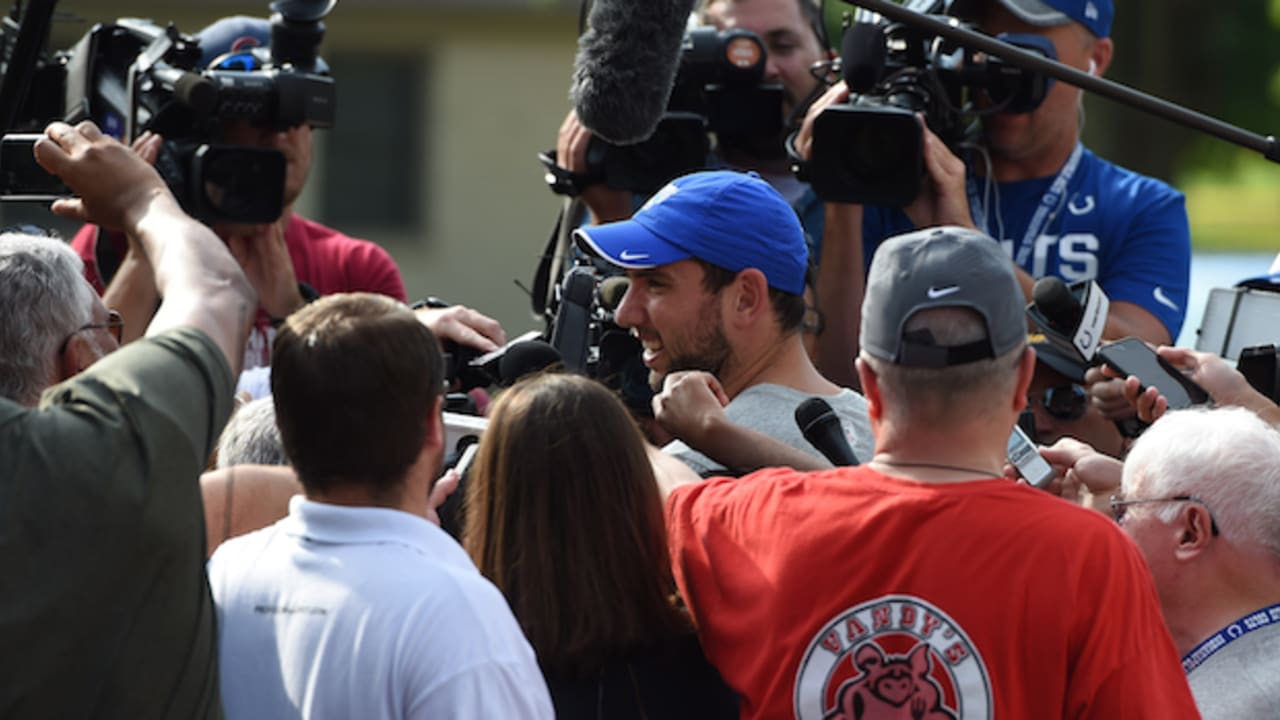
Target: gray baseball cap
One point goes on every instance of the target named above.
(941, 268)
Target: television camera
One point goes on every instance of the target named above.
(133, 75)
(870, 150)
(719, 89)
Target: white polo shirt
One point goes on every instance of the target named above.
(342, 612)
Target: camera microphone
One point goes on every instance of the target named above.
(1072, 317)
(821, 427)
(862, 55)
(612, 291)
(626, 65)
(525, 358)
(573, 318)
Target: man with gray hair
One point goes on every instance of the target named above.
(104, 604)
(1200, 496)
(61, 328)
(925, 583)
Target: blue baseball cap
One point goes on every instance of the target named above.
(730, 219)
(1095, 15)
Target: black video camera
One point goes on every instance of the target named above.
(133, 75)
(870, 150)
(719, 88)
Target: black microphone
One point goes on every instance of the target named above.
(612, 290)
(1072, 317)
(862, 54)
(573, 318)
(626, 65)
(821, 427)
(525, 358)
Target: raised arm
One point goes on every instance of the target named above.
(200, 282)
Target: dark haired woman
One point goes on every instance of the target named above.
(563, 515)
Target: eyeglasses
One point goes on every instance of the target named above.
(1119, 507)
(114, 325)
(1065, 402)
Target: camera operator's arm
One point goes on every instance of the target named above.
(132, 291)
(841, 276)
(605, 204)
(201, 284)
(262, 252)
(942, 199)
(691, 407)
(463, 326)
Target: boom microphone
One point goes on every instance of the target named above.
(821, 427)
(626, 65)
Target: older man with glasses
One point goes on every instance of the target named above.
(55, 325)
(1200, 496)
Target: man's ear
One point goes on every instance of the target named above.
(1100, 54)
(870, 388)
(1195, 528)
(435, 426)
(749, 298)
(1026, 372)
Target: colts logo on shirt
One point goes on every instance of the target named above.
(894, 658)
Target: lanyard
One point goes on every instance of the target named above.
(1253, 621)
(1050, 204)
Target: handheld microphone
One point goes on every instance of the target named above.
(626, 66)
(821, 427)
(573, 318)
(525, 358)
(1072, 317)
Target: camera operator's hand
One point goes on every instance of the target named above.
(264, 255)
(835, 95)
(605, 204)
(943, 199)
(114, 186)
(463, 326)
(690, 405)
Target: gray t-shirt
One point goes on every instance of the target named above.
(1242, 680)
(770, 409)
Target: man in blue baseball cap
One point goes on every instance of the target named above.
(1056, 207)
(717, 264)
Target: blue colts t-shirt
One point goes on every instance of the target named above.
(1127, 231)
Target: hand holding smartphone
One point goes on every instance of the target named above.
(1132, 356)
(1030, 464)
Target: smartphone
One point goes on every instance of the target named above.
(1259, 367)
(1131, 356)
(21, 177)
(464, 462)
(1030, 464)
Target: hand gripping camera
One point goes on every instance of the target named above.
(870, 150)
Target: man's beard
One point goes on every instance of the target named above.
(711, 354)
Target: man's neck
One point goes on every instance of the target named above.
(1200, 609)
(949, 453)
(782, 361)
(1039, 165)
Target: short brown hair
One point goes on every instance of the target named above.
(563, 515)
(788, 308)
(354, 377)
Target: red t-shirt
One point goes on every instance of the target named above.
(327, 260)
(850, 594)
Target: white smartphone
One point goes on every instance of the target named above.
(1023, 455)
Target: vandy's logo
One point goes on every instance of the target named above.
(894, 658)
